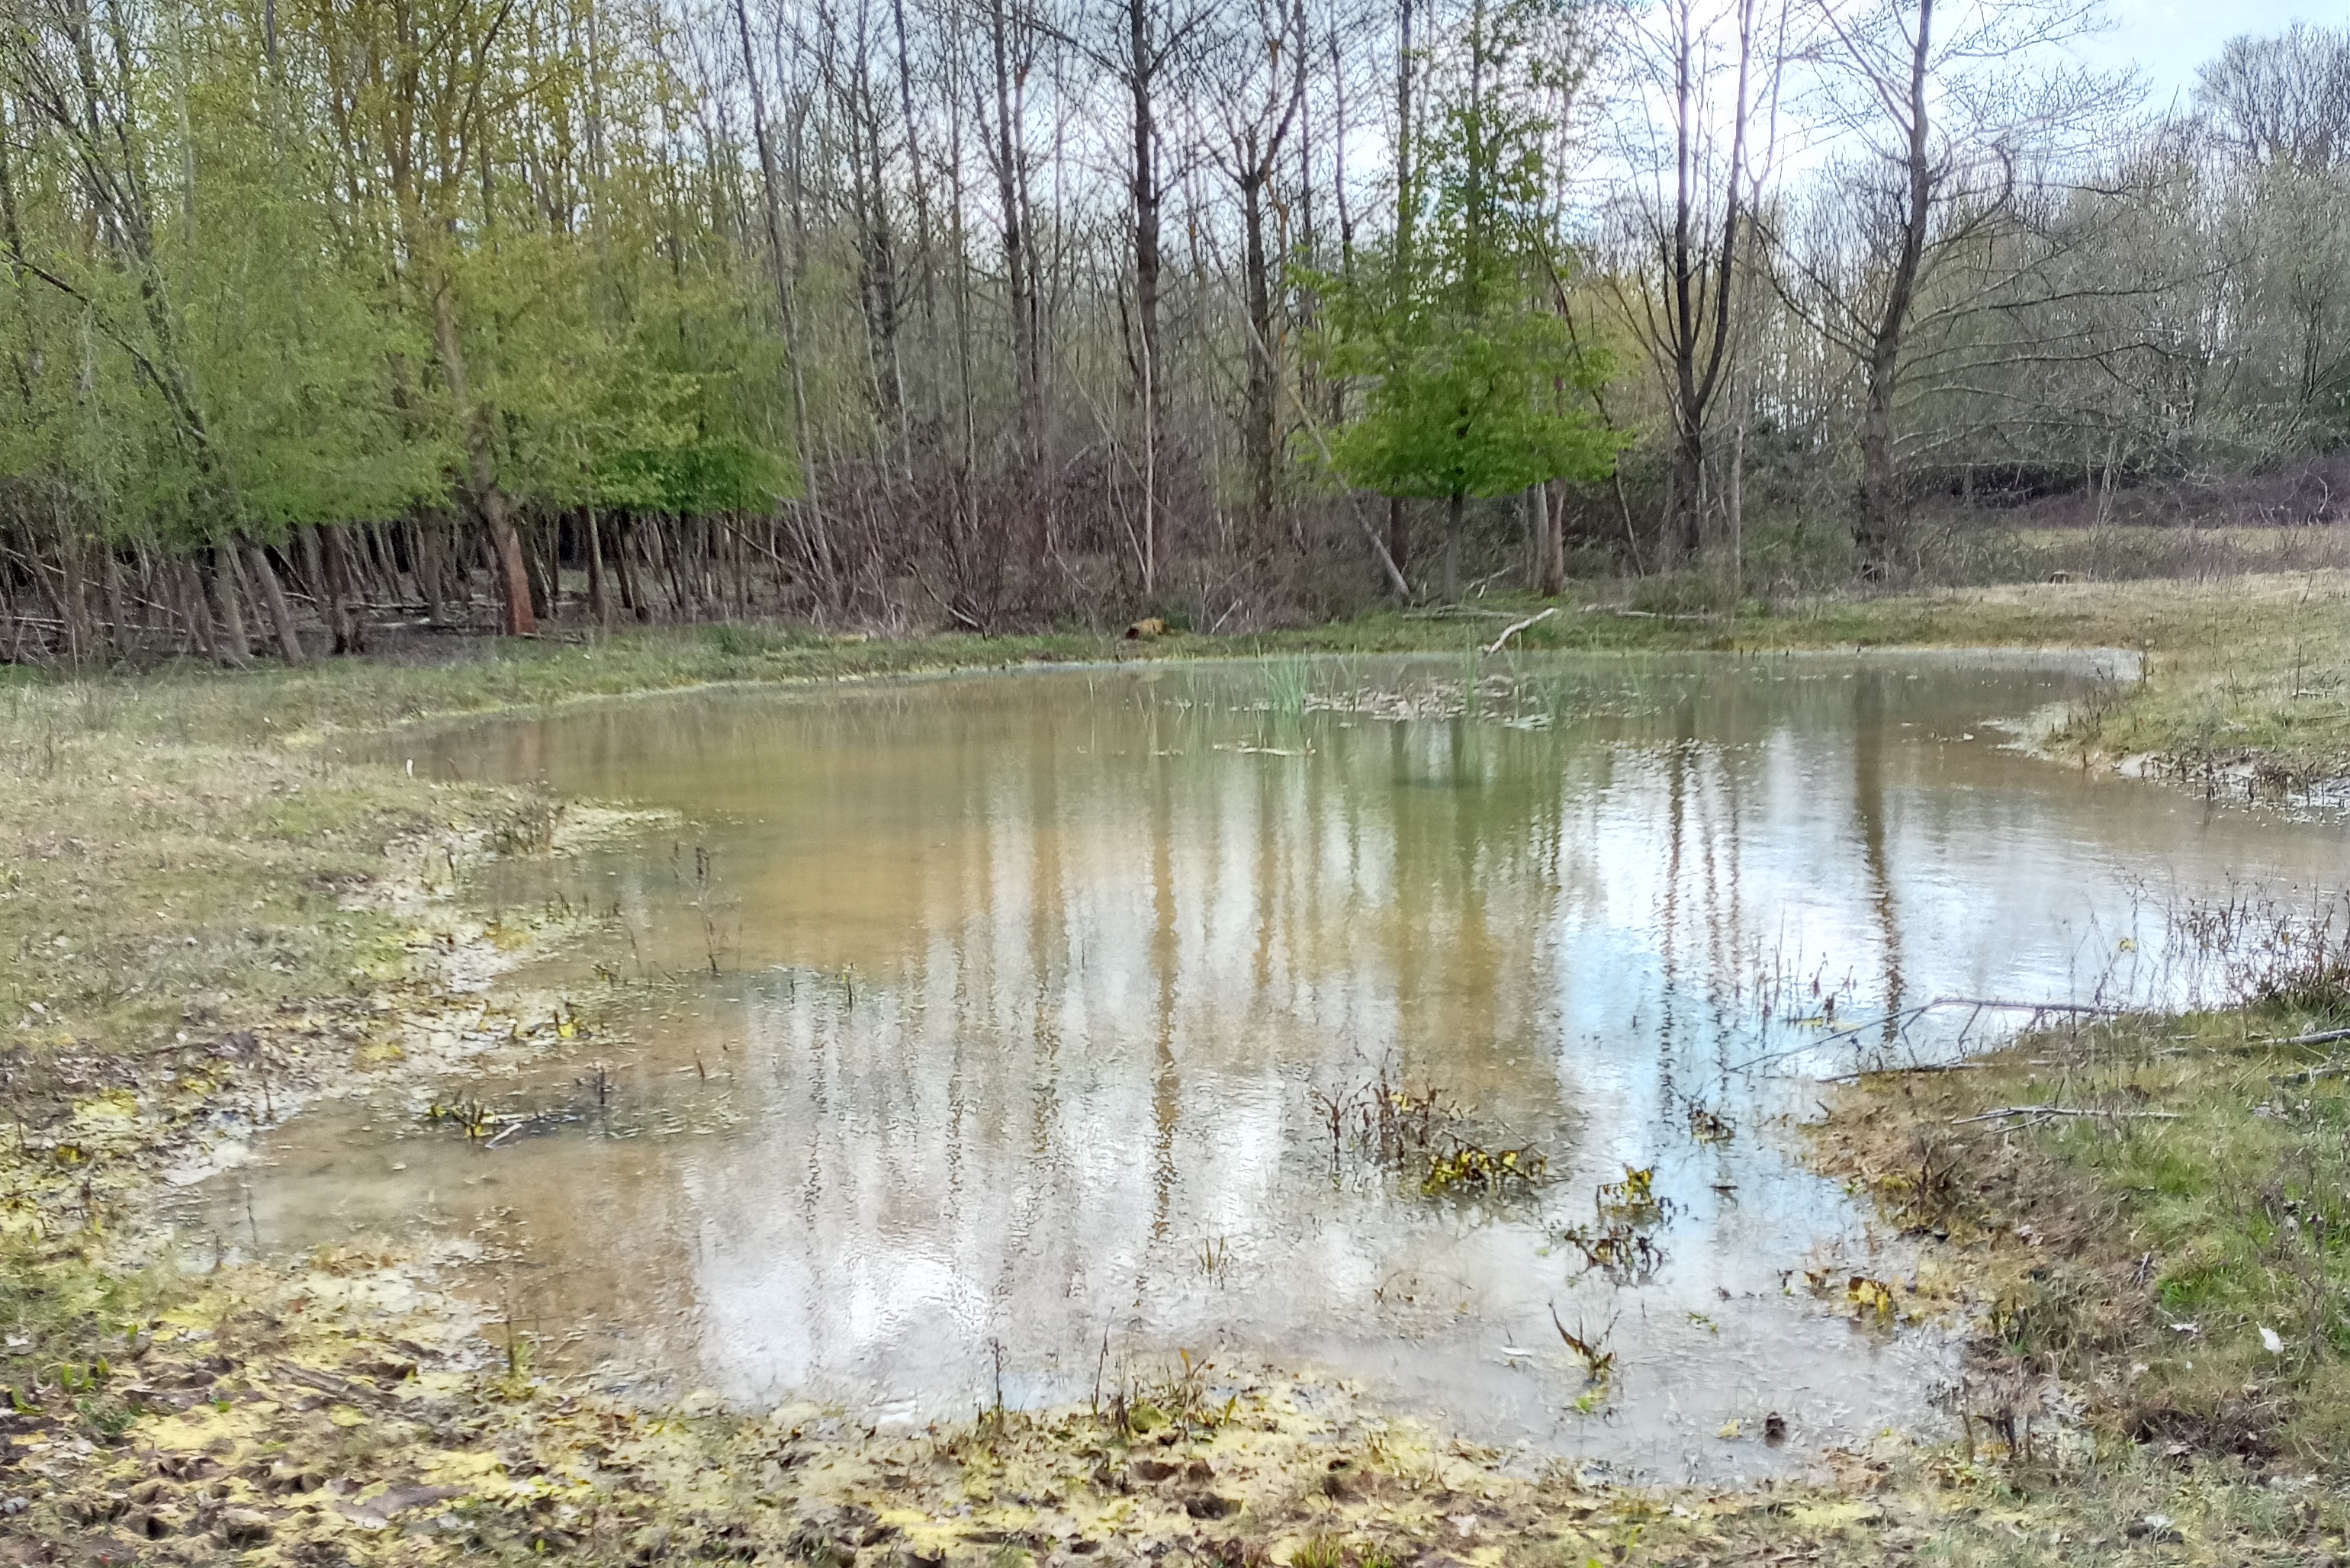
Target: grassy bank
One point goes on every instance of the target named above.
(205, 916)
(2158, 1211)
(2243, 671)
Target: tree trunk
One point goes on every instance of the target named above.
(72, 602)
(591, 537)
(349, 622)
(202, 635)
(540, 564)
(1019, 262)
(624, 548)
(231, 646)
(1875, 529)
(118, 619)
(272, 593)
(1258, 440)
(1688, 494)
(1454, 510)
(786, 307)
(1552, 575)
(423, 568)
(1144, 177)
(1737, 513)
(314, 574)
(506, 547)
(1399, 537)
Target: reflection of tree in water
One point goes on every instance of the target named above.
(1107, 962)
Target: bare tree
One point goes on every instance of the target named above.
(1258, 105)
(1699, 64)
(1936, 119)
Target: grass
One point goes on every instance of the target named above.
(149, 884)
(2155, 1210)
(2252, 670)
(197, 911)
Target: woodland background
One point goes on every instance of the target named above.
(324, 316)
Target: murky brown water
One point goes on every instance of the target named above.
(1025, 988)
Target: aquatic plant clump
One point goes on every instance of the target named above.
(1623, 1254)
(1425, 1136)
(1472, 1167)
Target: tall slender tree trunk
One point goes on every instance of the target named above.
(624, 560)
(540, 559)
(1875, 530)
(1455, 509)
(786, 309)
(591, 539)
(1550, 581)
(305, 539)
(71, 595)
(231, 646)
(349, 622)
(1260, 440)
(1407, 190)
(118, 615)
(513, 578)
(423, 569)
(1142, 67)
(1689, 494)
(201, 634)
(264, 576)
(1019, 262)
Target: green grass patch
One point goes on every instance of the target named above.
(2155, 1210)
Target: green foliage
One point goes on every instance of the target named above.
(244, 337)
(1472, 388)
(1457, 407)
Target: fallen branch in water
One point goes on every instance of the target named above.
(1516, 626)
(2064, 1111)
(1910, 1014)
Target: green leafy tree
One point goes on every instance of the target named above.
(1471, 388)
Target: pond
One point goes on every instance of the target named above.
(1024, 1033)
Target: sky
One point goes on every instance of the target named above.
(2168, 39)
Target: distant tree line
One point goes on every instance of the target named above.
(320, 314)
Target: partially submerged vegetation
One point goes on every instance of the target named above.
(2245, 673)
(206, 915)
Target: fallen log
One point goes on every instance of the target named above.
(1516, 626)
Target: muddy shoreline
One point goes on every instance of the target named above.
(341, 1409)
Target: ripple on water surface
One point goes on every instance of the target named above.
(1032, 997)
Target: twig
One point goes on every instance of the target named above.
(1645, 615)
(511, 1128)
(1856, 1076)
(1516, 626)
(2062, 1111)
(2322, 1037)
(1908, 1013)
(2028, 1006)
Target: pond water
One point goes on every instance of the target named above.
(982, 1032)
